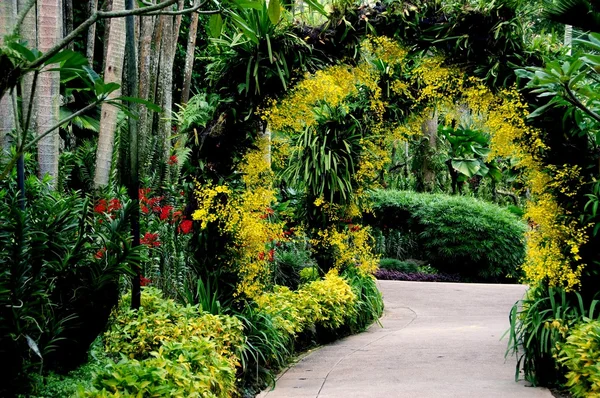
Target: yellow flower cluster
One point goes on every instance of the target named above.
(244, 215)
(352, 246)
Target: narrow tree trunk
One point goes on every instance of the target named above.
(133, 184)
(189, 59)
(146, 88)
(429, 128)
(8, 14)
(47, 97)
(68, 21)
(113, 72)
(108, 5)
(29, 34)
(91, 34)
(166, 87)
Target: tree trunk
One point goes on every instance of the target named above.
(189, 59)
(148, 53)
(429, 129)
(166, 87)
(113, 72)
(68, 21)
(91, 34)
(29, 34)
(569, 38)
(8, 14)
(47, 96)
(133, 185)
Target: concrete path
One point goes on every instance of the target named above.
(437, 340)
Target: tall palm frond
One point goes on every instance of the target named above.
(582, 14)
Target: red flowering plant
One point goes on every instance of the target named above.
(165, 232)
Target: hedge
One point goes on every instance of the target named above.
(455, 234)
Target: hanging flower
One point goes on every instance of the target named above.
(185, 227)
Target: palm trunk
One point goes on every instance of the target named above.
(47, 96)
(113, 72)
(166, 87)
(145, 88)
(29, 34)
(91, 34)
(189, 59)
(569, 38)
(8, 14)
(68, 22)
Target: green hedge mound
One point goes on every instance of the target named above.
(456, 234)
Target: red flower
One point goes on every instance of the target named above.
(261, 256)
(152, 202)
(272, 255)
(143, 193)
(101, 207)
(165, 211)
(354, 228)
(269, 211)
(114, 204)
(144, 281)
(100, 253)
(182, 193)
(172, 160)
(144, 209)
(263, 216)
(149, 239)
(185, 227)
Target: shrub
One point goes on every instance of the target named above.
(189, 368)
(328, 302)
(456, 234)
(397, 265)
(137, 333)
(581, 356)
(369, 301)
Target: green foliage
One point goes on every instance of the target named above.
(190, 368)
(539, 325)
(292, 258)
(404, 266)
(56, 293)
(136, 333)
(266, 350)
(456, 234)
(369, 301)
(167, 349)
(580, 354)
(326, 156)
(309, 274)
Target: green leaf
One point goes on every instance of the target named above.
(274, 11)
(318, 7)
(468, 167)
(215, 25)
(150, 105)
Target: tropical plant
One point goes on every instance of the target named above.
(539, 326)
(580, 355)
(61, 265)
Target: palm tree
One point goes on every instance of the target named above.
(47, 96)
(113, 72)
(8, 13)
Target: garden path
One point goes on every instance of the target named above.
(436, 340)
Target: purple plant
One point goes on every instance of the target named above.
(392, 275)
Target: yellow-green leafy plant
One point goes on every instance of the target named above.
(328, 302)
(580, 354)
(138, 333)
(189, 368)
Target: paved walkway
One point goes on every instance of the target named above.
(437, 340)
